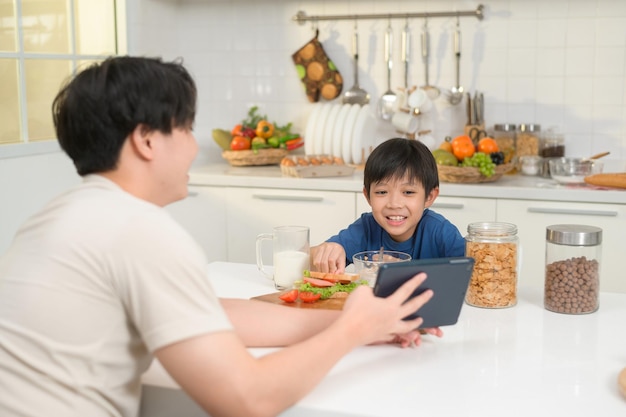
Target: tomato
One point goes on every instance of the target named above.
(240, 130)
(487, 145)
(318, 282)
(463, 147)
(309, 297)
(289, 296)
(239, 143)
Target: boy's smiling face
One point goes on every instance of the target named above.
(398, 204)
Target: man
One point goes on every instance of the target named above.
(102, 279)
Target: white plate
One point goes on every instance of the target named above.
(318, 136)
(310, 129)
(327, 147)
(338, 129)
(364, 135)
(348, 128)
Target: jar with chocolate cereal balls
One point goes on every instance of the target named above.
(572, 280)
(504, 135)
(494, 247)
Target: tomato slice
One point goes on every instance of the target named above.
(309, 297)
(319, 283)
(289, 296)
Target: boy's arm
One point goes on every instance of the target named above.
(328, 257)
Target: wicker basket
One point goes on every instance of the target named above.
(258, 157)
(469, 175)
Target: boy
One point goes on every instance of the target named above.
(400, 184)
(102, 279)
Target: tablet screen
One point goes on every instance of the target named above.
(447, 277)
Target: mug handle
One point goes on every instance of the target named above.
(259, 255)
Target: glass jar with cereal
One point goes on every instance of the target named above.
(572, 281)
(504, 135)
(494, 247)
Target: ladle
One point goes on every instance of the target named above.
(356, 95)
(432, 91)
(387, 102)
(456, 92)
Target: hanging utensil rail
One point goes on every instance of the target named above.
(301, 17)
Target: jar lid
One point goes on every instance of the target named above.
(529, 127)
(505, 127)
(492, 228)
(574, 234)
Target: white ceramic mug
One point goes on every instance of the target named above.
(419, 99)
(405, 122)
(290, 249)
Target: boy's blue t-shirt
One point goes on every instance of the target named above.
(434, 237)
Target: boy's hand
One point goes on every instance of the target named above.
(328, 257)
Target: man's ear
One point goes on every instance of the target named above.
(366, 193)
(432, 196)
(141, 142)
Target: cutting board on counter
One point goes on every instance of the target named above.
(330, 304)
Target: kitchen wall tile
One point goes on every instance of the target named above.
(584, 9)
(521, 89)
(611, 8)
(579, 119)
(578, 91)
(579, 61)
(522, 61)
(550, 62)
(606, 120)
(552, 8)
(609, 60)
(580, 33)
(524, 33)
(608, 91)
(551, 32)
(610, 31)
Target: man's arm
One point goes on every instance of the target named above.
(218, 372)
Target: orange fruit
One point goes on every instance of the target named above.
(488, 145)
(446, 146)
(463, 147)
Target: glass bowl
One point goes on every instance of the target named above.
(366, 263)
(573, 170)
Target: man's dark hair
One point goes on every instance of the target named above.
(397, 158)
(96, 110)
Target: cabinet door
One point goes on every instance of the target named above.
(532, 218)
(203, 214)
(252, 211)
(362, 206)
(463, 211)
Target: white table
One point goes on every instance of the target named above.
(519, 361)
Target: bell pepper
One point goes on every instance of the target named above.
(264, 129)
(294, 143)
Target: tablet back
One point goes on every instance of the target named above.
(447, 277)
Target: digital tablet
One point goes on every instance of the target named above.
(447, 277)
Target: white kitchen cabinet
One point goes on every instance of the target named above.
(203, 214)
(532, 218)
(252, 211)
(362, 205)
(463, 211)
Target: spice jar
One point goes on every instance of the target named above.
(494, 247)
(572, 281)
(504, 135)
(552, 144)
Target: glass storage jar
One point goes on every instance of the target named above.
(504, 135)
(527, 139)
(494, 247)
(572, 281)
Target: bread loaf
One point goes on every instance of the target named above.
(615, 180)
(621, 382)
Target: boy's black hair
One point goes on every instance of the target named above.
(399, 157)
(96, 110)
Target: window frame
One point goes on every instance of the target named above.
(27, 147)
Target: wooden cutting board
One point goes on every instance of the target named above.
(330, 304)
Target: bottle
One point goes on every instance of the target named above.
(572, 280)
(494, 247)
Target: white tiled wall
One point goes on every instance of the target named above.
(557, 62)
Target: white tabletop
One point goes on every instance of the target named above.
(493, 362)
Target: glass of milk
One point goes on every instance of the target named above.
(290, 254)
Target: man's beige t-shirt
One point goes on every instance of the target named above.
(89, 288)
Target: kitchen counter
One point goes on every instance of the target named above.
(509, 186)
(518, 361)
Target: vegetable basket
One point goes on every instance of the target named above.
(258, 157)
(468, 175)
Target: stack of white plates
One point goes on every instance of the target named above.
(345, 130)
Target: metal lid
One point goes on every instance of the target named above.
(529, 127)
(574, 234)
(505, 127)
